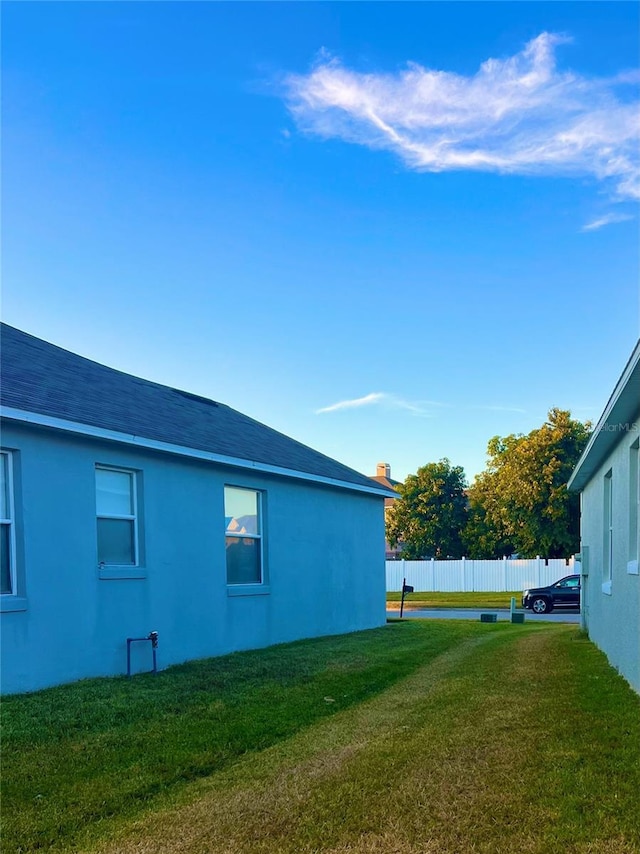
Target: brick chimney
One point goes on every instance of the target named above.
(383, 470)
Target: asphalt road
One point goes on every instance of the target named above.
(471, 614)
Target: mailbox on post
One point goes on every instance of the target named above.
(406, 588)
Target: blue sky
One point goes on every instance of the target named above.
(389, 230)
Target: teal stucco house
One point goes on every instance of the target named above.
(608, 478)
(129, 507)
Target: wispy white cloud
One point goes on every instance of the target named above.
(367, 400)
(388, 401)
(607, 219)
(516, 115)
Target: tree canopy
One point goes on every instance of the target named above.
(430, 513)
(520, 502)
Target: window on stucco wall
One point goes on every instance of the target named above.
(243, 535)
(116, 511)
(607, 557)
(634, 509)
(7, 526)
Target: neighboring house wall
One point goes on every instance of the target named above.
(69, 619)
(611, 589)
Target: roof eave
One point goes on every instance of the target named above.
(89, 430)
(621, 408)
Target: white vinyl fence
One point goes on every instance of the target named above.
(449, 576)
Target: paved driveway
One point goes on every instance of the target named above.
(470, 614)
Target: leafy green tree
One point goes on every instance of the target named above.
(481, 538)
(520, 502)
(430, 513)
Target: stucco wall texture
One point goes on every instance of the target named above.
(612, 614)
(323, 555)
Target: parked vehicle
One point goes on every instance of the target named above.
(564, 593)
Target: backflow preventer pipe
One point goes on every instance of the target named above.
(153, 637)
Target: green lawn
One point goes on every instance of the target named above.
(454, 600)
(417, 737)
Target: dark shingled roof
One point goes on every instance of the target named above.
(385, 481)
(41, 378)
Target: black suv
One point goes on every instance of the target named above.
(563, 594)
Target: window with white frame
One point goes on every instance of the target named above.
(634, 508)
(243, 535)
(607, 562)
(116, 511)
(7, 527)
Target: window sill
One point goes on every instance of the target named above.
(632, 568)
(606, 588)
(248, 589)
(12, 603)
(121, 573)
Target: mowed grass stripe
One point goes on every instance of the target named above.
(421, 736)
(480, 750)
(81, 759)
(256, 803)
